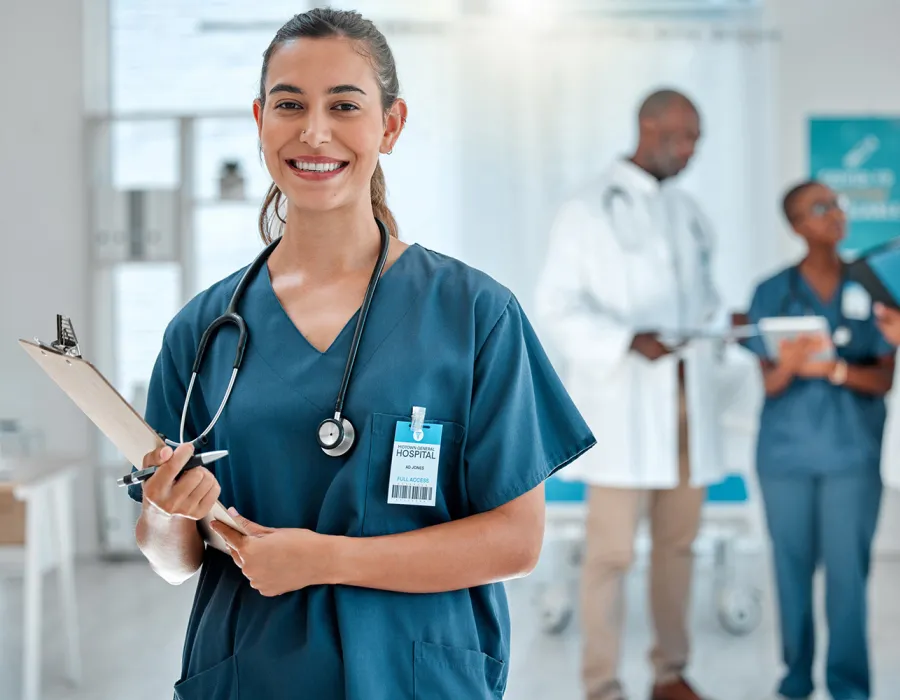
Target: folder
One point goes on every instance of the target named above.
(108, 410)
(878, 271)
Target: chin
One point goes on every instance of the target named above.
(323, 200)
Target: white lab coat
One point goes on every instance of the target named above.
(618, 249)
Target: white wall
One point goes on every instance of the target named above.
(43, 258)
(836, 57)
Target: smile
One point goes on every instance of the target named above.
(317, 170)
(307, 166)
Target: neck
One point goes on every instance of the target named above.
(821, 260)
(644, 161)
(327, 243)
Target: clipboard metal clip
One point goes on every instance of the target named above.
(66, 342)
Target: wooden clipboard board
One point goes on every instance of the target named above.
(114, 416)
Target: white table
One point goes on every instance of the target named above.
(45, 484)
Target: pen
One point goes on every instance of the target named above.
(200, 460)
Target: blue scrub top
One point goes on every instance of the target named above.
(814, 427)
(439, 335)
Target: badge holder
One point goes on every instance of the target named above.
(415, 458)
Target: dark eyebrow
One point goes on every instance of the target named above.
(336, 90)
(284, 87)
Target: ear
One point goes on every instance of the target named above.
(393, 125)
(257, 115)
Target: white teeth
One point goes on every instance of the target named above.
(316, 167)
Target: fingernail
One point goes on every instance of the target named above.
(232, 511)
(166, 453)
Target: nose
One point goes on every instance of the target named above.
(315, 129)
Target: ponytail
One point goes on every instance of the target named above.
(267, 218)
(271, 211)
(379, 202)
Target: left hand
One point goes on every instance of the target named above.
(277, 561)
(888, 321)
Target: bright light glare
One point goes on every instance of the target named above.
(530, 10)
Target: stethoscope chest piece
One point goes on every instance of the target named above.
(842, 336)
(336, 436)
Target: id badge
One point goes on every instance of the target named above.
(414, 464)
(856, 304)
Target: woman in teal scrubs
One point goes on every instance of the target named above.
(819, 449)
(339, 591)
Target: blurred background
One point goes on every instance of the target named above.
(131, 180)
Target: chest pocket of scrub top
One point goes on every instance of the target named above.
(383, 518)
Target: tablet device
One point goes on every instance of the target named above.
(878, 271)
(781, 328)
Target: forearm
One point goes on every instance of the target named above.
(473, 551)
(868, 379)
(776, 379)
(172, 545)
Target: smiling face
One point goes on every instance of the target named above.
(322, 122)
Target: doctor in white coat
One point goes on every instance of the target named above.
(627, 279)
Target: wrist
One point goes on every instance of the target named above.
(838, 373)
(339, 557)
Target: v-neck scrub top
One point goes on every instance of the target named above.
(439, 335)
(814, 427)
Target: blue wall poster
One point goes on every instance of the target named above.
(859, 158)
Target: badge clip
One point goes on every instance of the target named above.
(417, 422)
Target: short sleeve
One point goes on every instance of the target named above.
(165, 401)
(523, 426)
(758, 310)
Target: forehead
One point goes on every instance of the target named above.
(813, 195)
(318, 64)
(680, 114)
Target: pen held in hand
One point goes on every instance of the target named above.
(200, 460)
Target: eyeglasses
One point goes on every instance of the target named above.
(823, 208)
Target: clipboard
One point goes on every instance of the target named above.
(86, 386)
(878, 271)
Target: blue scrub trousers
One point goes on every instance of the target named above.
(829, 519)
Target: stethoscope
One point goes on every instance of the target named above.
(615, 191)
(842, 334)
(335, 435)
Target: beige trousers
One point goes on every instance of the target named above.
(613, 515)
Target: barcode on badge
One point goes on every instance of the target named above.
(404, 492)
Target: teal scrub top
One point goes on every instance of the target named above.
(440, 335)
(814, 427)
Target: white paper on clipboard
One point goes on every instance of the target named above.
(114, 416)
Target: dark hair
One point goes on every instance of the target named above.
(659, 101)
(322, 23)
(789, 202)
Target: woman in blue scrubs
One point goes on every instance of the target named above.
(339, 590)
(819, 449)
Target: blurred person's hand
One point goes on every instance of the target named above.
(888, 321)
(190, 496)
(650, 346)
(795, 356)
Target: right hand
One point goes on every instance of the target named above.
(649, 345)
(192, 496)
(795, 354)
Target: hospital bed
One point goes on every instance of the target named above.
(731, 516)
